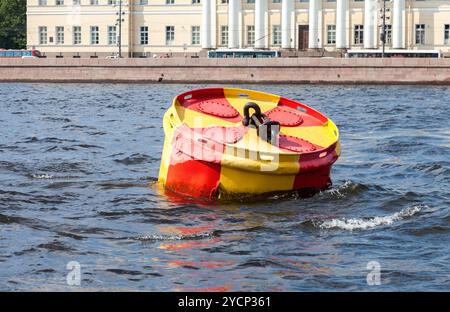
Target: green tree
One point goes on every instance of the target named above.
(13, 21)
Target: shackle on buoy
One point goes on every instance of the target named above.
(266, 129)
(247, 119)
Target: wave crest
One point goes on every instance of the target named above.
(368, 223)
(348, 188)
(162, 237)
(44, 176)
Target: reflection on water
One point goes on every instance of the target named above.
(78, 172)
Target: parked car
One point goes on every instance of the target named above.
(114, 56)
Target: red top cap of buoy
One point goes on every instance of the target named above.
(297, 145)
(286, 116)
(218, 108)
(211, 102)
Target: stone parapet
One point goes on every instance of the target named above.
(280, 70)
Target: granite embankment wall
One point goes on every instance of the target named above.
(188, 70)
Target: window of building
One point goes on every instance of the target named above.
(447, 34)
(170, 1)
(276, 35)
(224, 35)
(224, 1)
(42, 2)
(276, 1)
(359, 34)
(76, 34)
(388, 31)
(95, 36)
(59, 31)
(76, 2)
(42, 34)
(331, 34)
(250, 1)
(250, 34)
(94, 2)
(59, 2)
(195, 1)
(143, 2)
(143, 35)
(420, 33)
(195, 35)
(170, 35)
(112, 35)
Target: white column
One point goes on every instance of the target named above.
(287, 7)
(370, 24)
(206, 25)
(213, 24)
(341, 24)
(267, 29)
(294, 34)
(234, 33)
(260, 24)
(241, 29)
(315, 24)
(398, 25)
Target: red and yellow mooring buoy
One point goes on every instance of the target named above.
(233, 141)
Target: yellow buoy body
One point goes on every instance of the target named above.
(234, 141)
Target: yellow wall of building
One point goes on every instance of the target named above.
(183, 15)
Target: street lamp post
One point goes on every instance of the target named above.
(383, 31)
(120, 20)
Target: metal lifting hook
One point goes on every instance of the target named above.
(266, 129)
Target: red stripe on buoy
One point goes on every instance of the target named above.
(319, 179)
(210, 102)
(310, 116)
(286, 116)
(195, 161)
(297, 145)
(194, 178)
(315, 169)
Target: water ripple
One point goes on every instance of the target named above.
(78, 182)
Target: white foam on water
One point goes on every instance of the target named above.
(162, 237)
(368, 223)
(341, 191)
(42, 176)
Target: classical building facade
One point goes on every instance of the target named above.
(93, 28)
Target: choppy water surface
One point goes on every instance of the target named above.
(78, 165)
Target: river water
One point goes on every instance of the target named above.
(79, 162)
